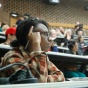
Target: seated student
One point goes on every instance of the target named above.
(68, 36)
(10, 35)
(81, 43)
(80, 33)
(73, 48)
(71, 69)
(78, 27)
(53, 46)
(5, 27)
(53, 33)
(32, 40)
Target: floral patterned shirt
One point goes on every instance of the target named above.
(37, 61)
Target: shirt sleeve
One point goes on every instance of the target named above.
(55, 75)
(39, 64)
(10, 58)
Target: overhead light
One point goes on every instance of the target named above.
(0, 5)
(14, 14)
(52, 1)
(55, 1)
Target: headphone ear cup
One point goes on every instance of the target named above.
(70, 45)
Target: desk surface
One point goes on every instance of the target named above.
(2, 33)
(63, 48)
(67, 84)
(2, 46)
(55, 56)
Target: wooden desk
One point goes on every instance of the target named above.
(55, 56)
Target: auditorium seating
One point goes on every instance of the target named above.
(2, 34)
(4, 49)
(60, 59)
(2, 39)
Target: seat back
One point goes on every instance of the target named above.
(4, 49)
(2, 39)
(2, 34)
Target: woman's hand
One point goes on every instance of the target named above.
(34, 41)
(34, 37)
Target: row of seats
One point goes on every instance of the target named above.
(4, 49)
(2, 37)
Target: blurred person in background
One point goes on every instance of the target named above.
(58, 32)
(10, 35)
(78, 27)
(73, 47)
(71, 70)
(62, 30)
(68, 36)
(80, 33)
(82, 44)
(1, 25)
(53, 34)
(4, 28)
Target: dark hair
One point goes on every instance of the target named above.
(23, 30)
(71, 43)
(79, 25)
(2, 24)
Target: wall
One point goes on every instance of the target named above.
(67, 11)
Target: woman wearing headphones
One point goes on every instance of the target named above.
(30, 49)
(71, 69)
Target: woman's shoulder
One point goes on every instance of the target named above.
(13, 53)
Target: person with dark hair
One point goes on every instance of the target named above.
(2, 24)
(73, 48)
(78, 27)
(29, 49)
(82, 44)
(71, 69)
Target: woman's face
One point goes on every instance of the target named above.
(45, 44)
